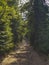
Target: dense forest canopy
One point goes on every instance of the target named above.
(13, 26)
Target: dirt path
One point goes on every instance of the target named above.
(25, 55)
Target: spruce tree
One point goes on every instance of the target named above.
(41, 26)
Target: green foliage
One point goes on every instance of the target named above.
(22, 29)
(12, 27)
(9, 21)
(5, 35)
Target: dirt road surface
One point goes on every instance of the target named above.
(24, 55)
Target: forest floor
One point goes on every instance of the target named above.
(24, 55)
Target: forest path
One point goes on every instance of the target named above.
(25, 55)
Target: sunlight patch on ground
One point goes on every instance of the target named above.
(19, 51)
(8, 60)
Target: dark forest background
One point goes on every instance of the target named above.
(14, 27)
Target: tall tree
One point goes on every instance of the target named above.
(41, 33)
(38, 24)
